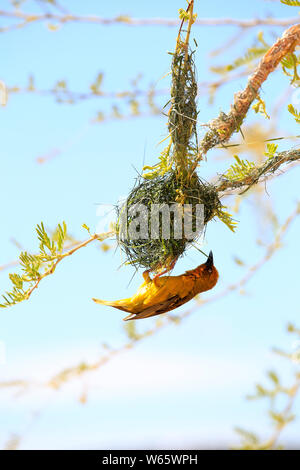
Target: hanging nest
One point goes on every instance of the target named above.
(159, 253)
(173, 179)
(182, 118)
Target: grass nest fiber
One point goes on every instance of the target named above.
(157, 253)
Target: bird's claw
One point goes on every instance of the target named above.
(146, 276)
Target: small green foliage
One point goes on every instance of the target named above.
(271, 150)
(86, 228)
(35, 267)
(294, 112)
(273, 377)
(123, 19)
(134, 107)
(250, 440)
(260, 38)
(238, 261)
(292, 329)
(162, 167)
(45, 242)
(185, 15)
(61, 236)
(280, 418)
(116, 113)
(291, 62)
(246, 174)
(260, 107)
(60, 85)
(252, 54)
(239, 170)
(226, 218)
(276, 394)
(60, 232)
(95, 87)
(291, 3)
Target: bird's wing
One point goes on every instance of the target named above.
(163, 307)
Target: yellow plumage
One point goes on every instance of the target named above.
(162, 294)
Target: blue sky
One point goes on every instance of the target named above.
(186, 385)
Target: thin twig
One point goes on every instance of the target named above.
(11, 264)
(271, 443)
(62, 256)
(100, 237)
(28, 18)
(259, 173)
(67, 96)
(190, 10)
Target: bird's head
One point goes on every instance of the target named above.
(208, 272)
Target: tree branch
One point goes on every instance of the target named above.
(69, 96)
(222, 128)
(259, 173)
(270, 443)
(70, 252)
(37, 267)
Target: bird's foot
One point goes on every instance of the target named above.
(146, 276)
(164, 271)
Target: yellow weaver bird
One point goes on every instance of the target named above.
(162, 294)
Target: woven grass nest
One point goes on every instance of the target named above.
(157, 254)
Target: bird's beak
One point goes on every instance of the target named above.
(210, 261)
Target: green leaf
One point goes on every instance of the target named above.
(290, 62)
(226, 218)
(273, 377)
(260, 107)
(61, 236)
(239, 170)
(250, 56)
(294, 112)
(33, 267)
(86, 228)
(291, 3)
(249, 436)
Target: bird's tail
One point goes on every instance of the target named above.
(120, 304)
(103, 302)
